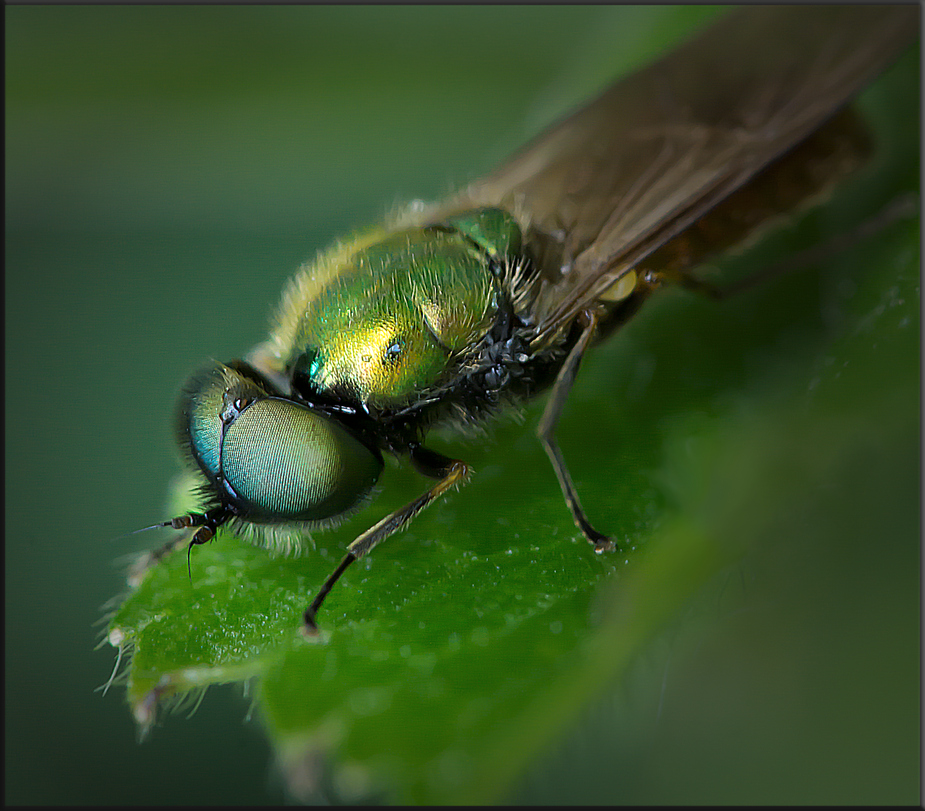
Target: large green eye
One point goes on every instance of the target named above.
(285, 461)
(272, 460)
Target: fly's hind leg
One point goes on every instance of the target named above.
(450, 472)
(900, 208)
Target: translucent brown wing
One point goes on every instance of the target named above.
(617, 179)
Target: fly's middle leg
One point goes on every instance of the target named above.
(547, 427)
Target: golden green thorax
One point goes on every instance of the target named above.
(389, 315)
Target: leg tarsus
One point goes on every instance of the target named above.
(309, 626)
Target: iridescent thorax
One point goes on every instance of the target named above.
(384, 318)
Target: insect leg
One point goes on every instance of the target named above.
(148, 560)
(546, 429)
(903, 207)
(451, 473)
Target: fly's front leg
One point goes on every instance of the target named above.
(450, 472)
(589, 318)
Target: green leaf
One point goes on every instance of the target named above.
(457, 653)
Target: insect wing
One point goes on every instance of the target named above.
(620, 177)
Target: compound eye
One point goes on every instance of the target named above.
(269, 459)
(287, 462)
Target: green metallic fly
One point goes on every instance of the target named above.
(450, 312)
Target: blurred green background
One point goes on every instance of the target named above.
(167, 170)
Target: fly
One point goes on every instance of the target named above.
(450, 312)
